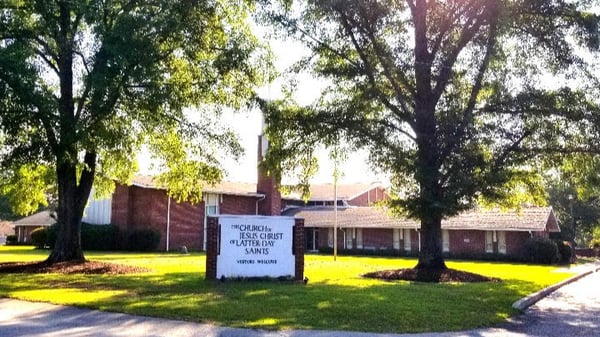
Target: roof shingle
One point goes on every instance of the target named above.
(527, 219)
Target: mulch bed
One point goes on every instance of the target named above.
(426, 275)
(87, 267)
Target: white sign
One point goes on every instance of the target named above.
(256, 246)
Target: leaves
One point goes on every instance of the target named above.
(27, 188)
(105, 77)
(448, 96)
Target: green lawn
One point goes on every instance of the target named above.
(336, 297)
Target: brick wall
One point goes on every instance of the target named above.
(267, 185)
(186, 226)
(120, 206)
(136, 208)
(466, 241)
(299, 247)
(515, 243)
(369, 198)
(378, 238)
(212, 247)
(238, 205)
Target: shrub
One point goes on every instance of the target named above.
(541, 250)
(142, 240)
(51, 234)
(39, 237)
(565, 250)
(93, 237)
(11, 239)
(99, 237)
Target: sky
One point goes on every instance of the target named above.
(248, 125)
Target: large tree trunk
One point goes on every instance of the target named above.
(72, 199)
(428, 164)
(430, 256)
(73, 193)
(68, 239)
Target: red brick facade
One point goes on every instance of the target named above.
(267, 185)
(369, 198)
(136, 207)
(459, 241)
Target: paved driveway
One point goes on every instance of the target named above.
(573, 310)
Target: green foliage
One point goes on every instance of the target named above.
(595, 242)
(93, 237)
(142, 240)
(573, 200)
(39, 237)
(27, 187)
(565, 251)
(445, 96)
(99, 237)
(542, 250)
(11, 239)
(84, 85)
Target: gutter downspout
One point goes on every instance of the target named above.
(168, 220)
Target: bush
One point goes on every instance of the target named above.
(93, 237)
(565, 250)
(99, 237)
(542, 250)
(39, 237)
(51, 234)
(11, 239)
(142, 240)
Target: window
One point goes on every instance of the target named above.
(349, 236)
(211, 204)
(396, 238)
(211, 207)
(489, 242)
(407, 243)
(359, 238)
(445, 241)
(502, 242)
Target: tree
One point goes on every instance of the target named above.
(449, 96)
(574, 195)
(84, 84)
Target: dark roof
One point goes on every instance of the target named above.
(319, 192)
(526, 219)
(43, 218)
(224, 187)
(326, 192)
(365, 217)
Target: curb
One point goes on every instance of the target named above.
(529, 300)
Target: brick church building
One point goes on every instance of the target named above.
(361, 225)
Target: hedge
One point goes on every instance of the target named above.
(142, 240)
(542, 250)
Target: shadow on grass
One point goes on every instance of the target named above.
(380, 307)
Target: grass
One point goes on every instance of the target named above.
(336, 297)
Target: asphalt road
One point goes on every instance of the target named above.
(573, 310)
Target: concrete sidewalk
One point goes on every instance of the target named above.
(573, 310)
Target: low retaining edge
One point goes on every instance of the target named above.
(529, 300)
